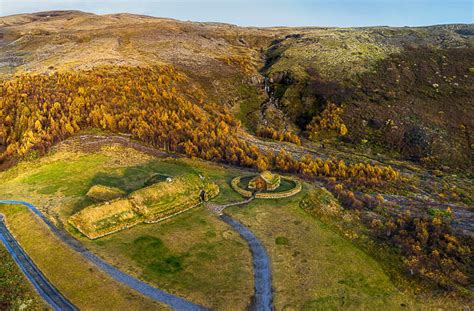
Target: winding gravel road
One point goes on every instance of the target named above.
(42, 285)
(156, 294)
(263, 294)
(263, 297)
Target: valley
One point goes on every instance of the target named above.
(205, 243)
(137, 139)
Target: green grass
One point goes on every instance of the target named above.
(222, 176)
(81, 282)
(156, 179)
(281, 240)
(101, 193)
(149, 204)
(61, 176)
(313, 267)
(194, 255)
(249, 106)
(74, 178)
(152, 253)
(438, 212)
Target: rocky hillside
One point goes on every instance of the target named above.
(405, 92)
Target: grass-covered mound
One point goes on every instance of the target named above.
(99, 220)
(312, 267)
(150, 204)
(170, 197)
(64, 267)
(209, 258)
(100, 193)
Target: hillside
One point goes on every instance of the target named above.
(404, 91)
(381, 117)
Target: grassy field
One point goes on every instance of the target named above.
(194, 255)
(81, 282)
(316, 269)
(150, 204)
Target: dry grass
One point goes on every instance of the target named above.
(99, 220)
(314, 268)
(83, 40)
(77, 279)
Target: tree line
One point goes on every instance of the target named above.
(156, 105)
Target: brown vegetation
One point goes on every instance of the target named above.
(40, 110)
(269, 132)
(428, 246)
(328, 122)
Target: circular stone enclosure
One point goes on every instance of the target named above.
(288, 191)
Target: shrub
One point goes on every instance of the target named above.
(281, 240)
(268, 132)
(439, 212)
(329, 122)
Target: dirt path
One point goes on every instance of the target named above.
(218, 209)
(263, 295)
